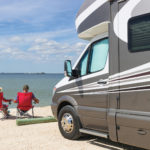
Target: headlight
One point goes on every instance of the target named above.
(54, 90)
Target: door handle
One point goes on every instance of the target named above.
(102, 82)
(141, 132)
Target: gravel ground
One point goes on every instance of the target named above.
(46, 136)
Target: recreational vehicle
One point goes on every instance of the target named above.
(107, 92)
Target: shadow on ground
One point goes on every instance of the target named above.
(105, 143)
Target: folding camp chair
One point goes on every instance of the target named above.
(3, 115)
(3, 106)
(24, 113)
(24, 105)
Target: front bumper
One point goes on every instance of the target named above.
(54, 110)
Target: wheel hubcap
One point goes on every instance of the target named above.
(67, 122)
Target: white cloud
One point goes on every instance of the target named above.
(38, 49)
(40, 40)
(53, 47)
(15, 39)
(38, 37)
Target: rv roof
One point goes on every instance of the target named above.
(93, 18)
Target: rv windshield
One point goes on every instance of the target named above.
(83, 64)
(94, 59)
(98, 56)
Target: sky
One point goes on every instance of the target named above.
(38, 35)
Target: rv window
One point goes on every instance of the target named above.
(98, 56)
(83, 64)
(139, 33)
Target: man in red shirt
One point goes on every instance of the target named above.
(24, 99)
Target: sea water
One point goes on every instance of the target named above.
(40, 84)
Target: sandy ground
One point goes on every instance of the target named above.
(45, 136)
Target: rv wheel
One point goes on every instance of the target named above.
(69, 123)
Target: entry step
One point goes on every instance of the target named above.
(95, 133)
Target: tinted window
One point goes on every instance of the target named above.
(98, 56)
(83, 64)
(139, 33)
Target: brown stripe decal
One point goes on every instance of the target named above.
(133, 76)
(132, 89)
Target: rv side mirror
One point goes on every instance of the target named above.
(68, 68)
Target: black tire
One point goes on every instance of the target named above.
(74, 133)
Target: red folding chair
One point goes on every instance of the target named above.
(3, 114)
(2, 106)
(1, 99)
(24, 104)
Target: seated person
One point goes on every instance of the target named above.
(4, 107)
(24, 99)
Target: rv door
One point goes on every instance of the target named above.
(92, 96)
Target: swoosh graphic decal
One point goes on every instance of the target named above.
(89, 11)
(121, 19)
